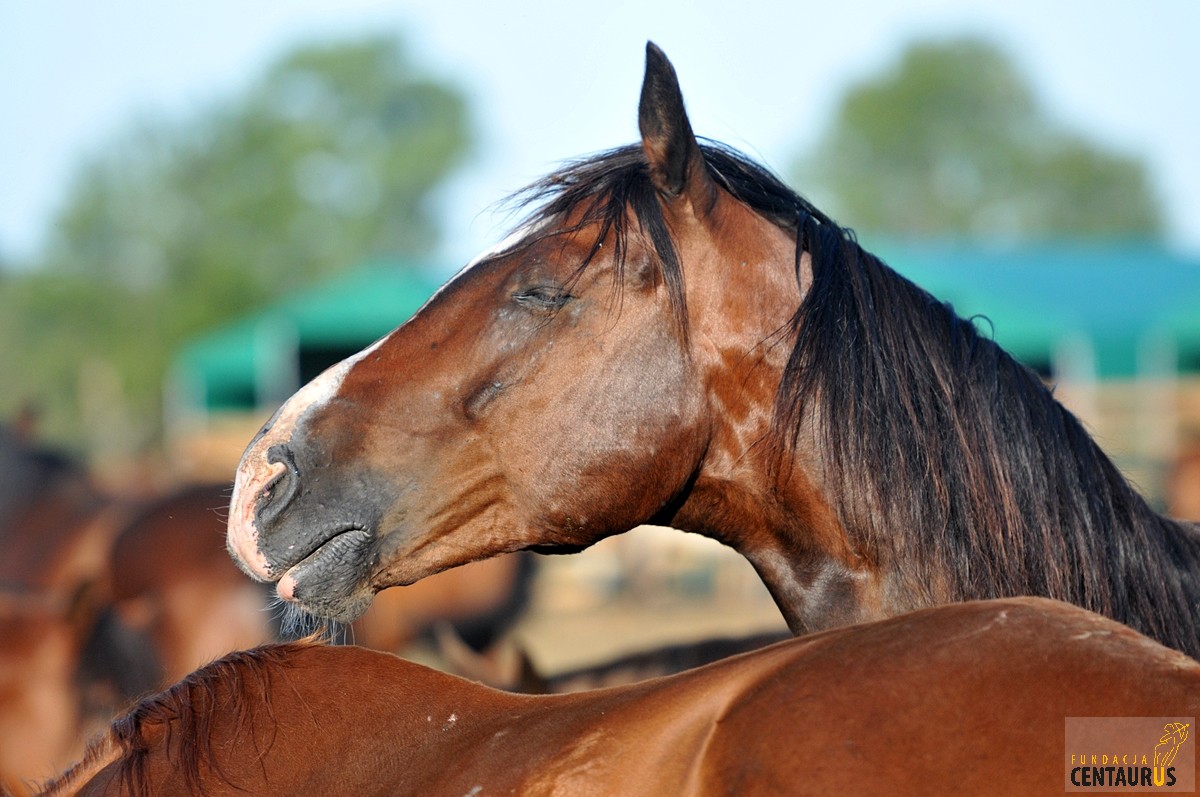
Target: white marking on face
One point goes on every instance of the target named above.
(254, 471)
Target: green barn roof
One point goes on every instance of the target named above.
(232, 367)
(1119, 298)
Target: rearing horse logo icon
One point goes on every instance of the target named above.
(1174, 735)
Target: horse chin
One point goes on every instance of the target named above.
(332, 582)
(339, 607)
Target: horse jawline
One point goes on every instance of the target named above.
(556, 549)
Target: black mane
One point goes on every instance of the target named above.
(949, 459)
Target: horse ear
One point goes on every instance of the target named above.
(676, 163)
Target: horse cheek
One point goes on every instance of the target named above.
(649, 442)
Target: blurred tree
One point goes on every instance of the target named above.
(953, 143)
(328, 160)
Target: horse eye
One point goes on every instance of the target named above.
(543, 297)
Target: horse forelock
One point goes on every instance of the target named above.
(612, 193)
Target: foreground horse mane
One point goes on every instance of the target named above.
(941, 443)
(193, 703)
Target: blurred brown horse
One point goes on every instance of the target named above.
(41, 722)
(56, 529)
(676, 337)
(55, 525)
(106, 601)
(171, 582)
(960, 699)
(102, 600)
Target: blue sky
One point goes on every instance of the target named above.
(551, 79)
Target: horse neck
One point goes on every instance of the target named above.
(928, 466)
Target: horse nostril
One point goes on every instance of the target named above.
(282, 487)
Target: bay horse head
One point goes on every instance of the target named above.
(675, 336)
(568, 385)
